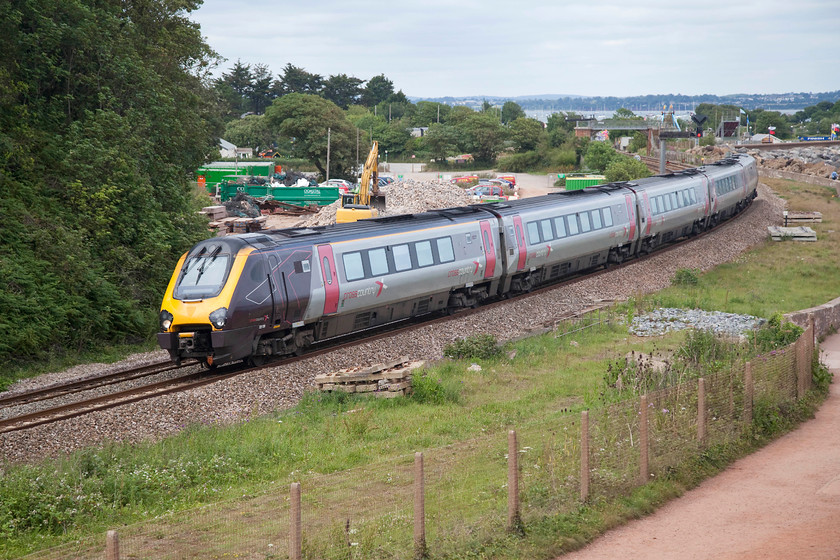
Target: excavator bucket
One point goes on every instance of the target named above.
(378, 201)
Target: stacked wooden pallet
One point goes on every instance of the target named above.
(802, 217)
(387, 380)
(238, 225)
(214, 213)
(800, 233)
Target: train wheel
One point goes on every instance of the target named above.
(255, 361)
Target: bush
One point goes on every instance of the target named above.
(476, 347)
(625, 169)
(686, 277)
(775, 334)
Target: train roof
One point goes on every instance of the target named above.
(367, 228)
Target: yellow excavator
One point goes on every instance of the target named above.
(366, 201)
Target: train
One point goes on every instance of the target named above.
(279, 292)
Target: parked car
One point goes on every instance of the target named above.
(464, 179)
(487, 193)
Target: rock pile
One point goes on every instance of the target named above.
(403, 197)
(816, 161)
(665, 320)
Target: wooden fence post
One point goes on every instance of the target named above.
(112, 546)
(701, 410)
(748, 392)
(584, 455)
(419, 508)
(644, 467)
(514, 523)
(295, 541)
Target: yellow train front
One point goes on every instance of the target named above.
(217, 303)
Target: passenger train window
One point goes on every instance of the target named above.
(584, 222)
(327, 270)
(353, 267)
(424, 253)
(445, 250)
(608, 221)
(402, 257)
(685, 200)
(533, 233)
(547, 234)
(378, 261)
(571, 221)
(667, 200)
(692, 196)
(654, 205)
(560, 227)
(596, 219)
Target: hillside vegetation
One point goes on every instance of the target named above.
(103, 115)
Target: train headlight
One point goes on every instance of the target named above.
(165, 320)
(218, 317)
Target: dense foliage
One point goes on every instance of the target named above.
(103, 113)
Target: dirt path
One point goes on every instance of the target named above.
(782, 502)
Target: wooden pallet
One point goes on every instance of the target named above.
(239, 225)
(793, 218)
(388, 380)
(214, 213)
(800, 233)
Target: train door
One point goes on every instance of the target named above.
(631, 217)
(489, 248)
(520, 242)
(646, 213)
(330, 276)
(278, 289)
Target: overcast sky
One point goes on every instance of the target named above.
(437, 48)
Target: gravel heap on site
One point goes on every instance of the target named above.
(711, 153)
(660, 321)
(816, 161)
(282, 386)
(403, 197)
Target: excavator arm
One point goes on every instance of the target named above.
(359, 207)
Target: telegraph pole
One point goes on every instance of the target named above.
(328, 154)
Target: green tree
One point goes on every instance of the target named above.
(427, 112)
(259, 91)
(297, 80)
(378, 89)
(441, 141)
(599, 155)
(251, 131)
(306, 118)
(484, 136)
(766, 119)
(525, 133)
(625, 169)
(343, 90)
(622, 113)
(104, 113)
(511, 111)
(639, 142)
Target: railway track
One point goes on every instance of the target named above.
(55, 413)
(652, 163)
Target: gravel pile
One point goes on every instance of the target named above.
(403, 197)
(816, 161)
(669, 319)
(282, 386)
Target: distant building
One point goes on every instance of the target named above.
(419, 132)
(226, 149)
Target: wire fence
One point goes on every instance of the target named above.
(449, 500)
